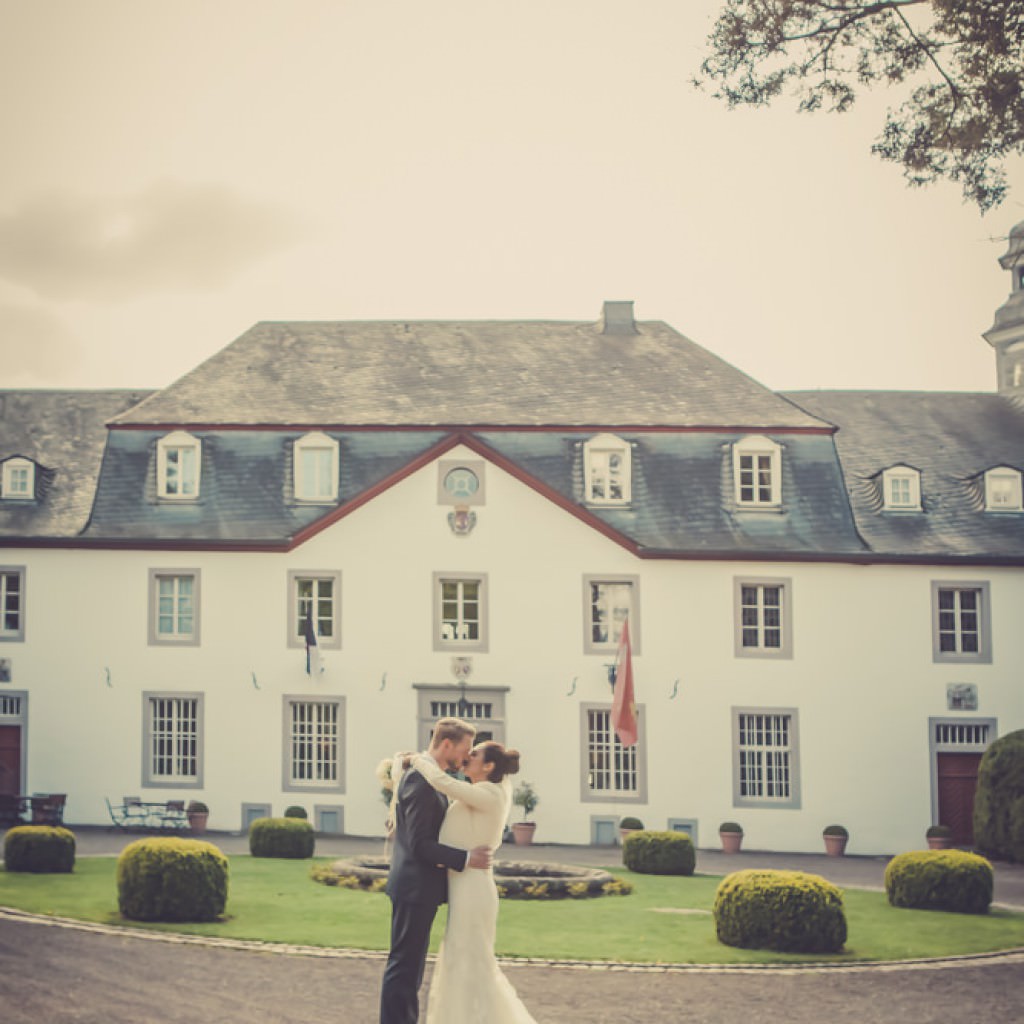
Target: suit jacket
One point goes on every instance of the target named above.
(419, 862)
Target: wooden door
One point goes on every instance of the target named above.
(958, 779)
(10, 759)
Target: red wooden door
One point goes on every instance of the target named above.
(958, 778)
(10, 759)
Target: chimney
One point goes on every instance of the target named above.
(617, 318)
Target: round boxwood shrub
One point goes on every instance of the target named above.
(40, 849)
(659, 853)
(789, 911)
(295, 811)
(281, 837)
(171, 879)
(999, 799)
(940, 880)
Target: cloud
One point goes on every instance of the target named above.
(171, 236)
(35, 347)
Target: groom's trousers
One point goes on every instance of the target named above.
(410, 938)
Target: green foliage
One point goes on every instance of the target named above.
(836, 830)
(659, 853)
(938, 832)
(630, 822)
(959, 65)
(197, 807)
(730, 826)
(281, 837)
(999, 799)
(940, 880)
(171, 879)
(526, 797)
(787, 911)
(40, 849)
(295, 811)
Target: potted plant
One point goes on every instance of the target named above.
(731, 834)
(940, 837)
(197, 812)
(526, 797)
(629, 824)
(835, 837)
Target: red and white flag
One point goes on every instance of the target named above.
(624, 704)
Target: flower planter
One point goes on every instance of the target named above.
(197, 822)
(939, 842)
(522, 832)
(835, 846)
(731, 841)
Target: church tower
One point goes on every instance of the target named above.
(1006, 335)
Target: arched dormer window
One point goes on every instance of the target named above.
(757, 472)
(316, 468)
(901, 489)
(1003, 490)
(177, 466)
(607, 470)
(19, 479)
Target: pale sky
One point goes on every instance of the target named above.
(173, 172)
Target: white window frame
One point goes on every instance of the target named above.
(296, 619)
(766, 773)
(15, 634)
(324, 726)
(961, 622)
(1003, 490)
(901, 489)
(323, 487)
(174, 707)
(603, 755)
(459, 579)
(175, 638)
(178, 442)
(590, 621)
(598, 470)
(761, 621)
(14, 487)
(757, 448)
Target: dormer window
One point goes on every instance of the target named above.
(902, 489)
(19, 479)
(757, 472)
(607, 470)
(1003, 490)
(316, 468)
(178, 464)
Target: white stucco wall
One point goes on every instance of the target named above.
(861, 678)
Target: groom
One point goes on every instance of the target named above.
(417, 881)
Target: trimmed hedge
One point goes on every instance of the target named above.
(789, 911)
(295, 811)
(171, 879)
(940, 880)
(999, 799)
(39, 849)
(281, 837)
(659, 853)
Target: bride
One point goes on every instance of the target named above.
(467, 984)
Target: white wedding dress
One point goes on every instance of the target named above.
(467, 985)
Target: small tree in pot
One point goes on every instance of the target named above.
(197, 813)
(731, 835)
(525, 796)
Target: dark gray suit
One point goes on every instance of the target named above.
(417, 885)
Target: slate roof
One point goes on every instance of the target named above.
(63, 432)
(952, 438)
(429, 373)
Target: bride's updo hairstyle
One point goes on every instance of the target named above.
(504, 759)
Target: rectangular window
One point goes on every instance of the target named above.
(317, 473)
(12, 603)
(756, 479)
(608, 602)
(460, 612)
(611, 771)
(607, 476)
(174, 607)
(181, 479)
(317, 594)
(960, 622)
(313, 735)
(765, 758)
(18, 479)
(763, 627)
(899, 491)
(173, 740)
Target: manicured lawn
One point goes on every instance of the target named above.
(664, 920)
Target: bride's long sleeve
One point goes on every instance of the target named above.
(481, 796)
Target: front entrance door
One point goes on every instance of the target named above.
(10, 759)
(958, 779)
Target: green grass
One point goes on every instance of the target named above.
(666, 919)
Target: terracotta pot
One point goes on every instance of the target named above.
(835, 846)
(939, 842)
(731, 841)
(197, 822)
(522, 832)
